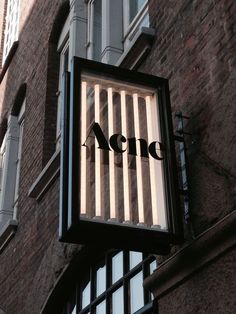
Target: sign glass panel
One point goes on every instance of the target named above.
(121, 154)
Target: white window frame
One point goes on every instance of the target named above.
(11, 149)
(21, 118)
(11, 26)
(62, 48)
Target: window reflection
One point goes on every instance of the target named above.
(117, 267)
(134, 8)
(136, 292)
(74, 310)
(153, 266)
(97, 30)
(118, 301)
(101, 308)
(86, 295)
(101, 280)
(135, 259)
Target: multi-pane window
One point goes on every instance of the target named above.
(113, 285)
(11, 26)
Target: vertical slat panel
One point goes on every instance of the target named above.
(98, 190)
(138, 160)
(83, 192)
(156, 169)
(126, 183)
(112, 177)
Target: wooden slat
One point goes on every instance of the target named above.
(138, 160)
(126, 179)
(98, 188)
(112, 175)
(156, 167)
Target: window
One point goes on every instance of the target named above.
(135, 17)
(10, 157)
(112, 26)
(11, 26)
(134, 8)
(114, 285)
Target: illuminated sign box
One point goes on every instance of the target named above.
(118, 171)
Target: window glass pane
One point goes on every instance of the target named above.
(101, 308)
(97, 30)
(102, 196)
(118, 301)
(117, 267)
(134, 259)
(144, 22)
(74, 310)
(136, 292)
(153, 266)
(134, 7)
(86, 295)
(66, 60)
(101, 280)
(11, 26)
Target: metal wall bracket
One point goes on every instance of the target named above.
(180, 138)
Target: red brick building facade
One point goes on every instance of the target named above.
(192, 44)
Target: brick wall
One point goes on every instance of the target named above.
(34, 258)
(209, 291)
(194, 49)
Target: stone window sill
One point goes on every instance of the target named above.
(138, 49)
(7, 233)
(46, 178)
(8, 60)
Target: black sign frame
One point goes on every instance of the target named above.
(72, 228)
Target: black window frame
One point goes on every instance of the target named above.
(75, 296)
